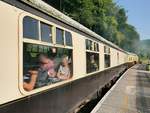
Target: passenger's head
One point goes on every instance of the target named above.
(43, 60)
(65, 60)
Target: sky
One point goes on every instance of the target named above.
(138, 12)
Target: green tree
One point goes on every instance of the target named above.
(103, 17)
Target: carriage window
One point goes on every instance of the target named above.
(92, 56)
(97, 47)
(45, 65)
(30, 28)
(92, 63)
(117, 58)
(106, 50)
(93, 46)
(68, 37)
(59, 36)
(107, 56)
(88, 44)
(107, 60)
(46, 32)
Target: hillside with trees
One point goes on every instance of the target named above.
(144, 49)
(104, 17)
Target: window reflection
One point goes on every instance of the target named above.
(68, 37)
(44, 65)
(59, 36)
(92, 62)
(46, 33)
(30, 28)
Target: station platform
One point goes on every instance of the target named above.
(130, 94)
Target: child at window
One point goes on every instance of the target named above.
(64, 71)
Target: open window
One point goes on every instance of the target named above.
(50, 64)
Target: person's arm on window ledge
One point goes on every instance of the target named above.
(30, 86)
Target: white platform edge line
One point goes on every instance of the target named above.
(107, 94)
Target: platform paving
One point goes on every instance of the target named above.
(131, 93)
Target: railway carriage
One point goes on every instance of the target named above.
(29, 28)
(132, 58)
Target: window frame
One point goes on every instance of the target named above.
(63, 31)
(38, 24)
(92, 46)
(39, 42)
(107, 53)
(65, 39)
